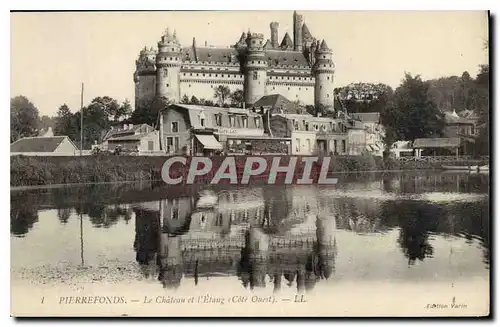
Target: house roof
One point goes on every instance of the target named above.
(274, 101)
(367, 117)
(115, 132)
(450, 118)
(135, 137)
(444, 142)
(38, 144)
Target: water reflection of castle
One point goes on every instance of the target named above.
(249, 233)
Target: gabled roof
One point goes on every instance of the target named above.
(287, 42)
(306, 35)
(268, 45)
(367, 117)
(275, 101)
(38, 144)
(436, 142)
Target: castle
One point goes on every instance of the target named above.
(301, 69)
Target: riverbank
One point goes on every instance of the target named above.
(38, 171)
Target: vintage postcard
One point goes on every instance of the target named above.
(250, 164)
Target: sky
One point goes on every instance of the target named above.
(53, 53)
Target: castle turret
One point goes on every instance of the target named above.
(323, 70)
(168, 67)
(255, 69)
(145, 75)
(274, 34)
(298, 21)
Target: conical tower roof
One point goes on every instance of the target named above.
(324, 46)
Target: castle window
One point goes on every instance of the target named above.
(294, 78)
(324, 65)
(216, 75)
(218, 68)
(328, 78)
(171, 58)
(231, 121)
(203, 74)
(299, 88)
(324, 57)
(321, 87)
(257, 122)
(289, 89)
(255, 75)
(197, 74)
(209, 75)
(253, 61)
(168, 85)
(173, 49)
(190, 74)
(222, 75)
(245, 122)
(189, 85)
(296, 95)
(327, 95)
(258, 62)
(274, 88)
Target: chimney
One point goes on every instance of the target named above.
(298, 21)
(274, 34)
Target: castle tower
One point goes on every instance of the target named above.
(274, 34)
(145, 75)
(323, 71)
(255, 69)
(298, 21)
(168, 67)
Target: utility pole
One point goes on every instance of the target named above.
(81, 122)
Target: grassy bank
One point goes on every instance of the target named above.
(28, 171)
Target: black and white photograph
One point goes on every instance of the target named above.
(270, 163)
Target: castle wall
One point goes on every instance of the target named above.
(145, 88)
(292, 92)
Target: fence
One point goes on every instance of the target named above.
(443, 159)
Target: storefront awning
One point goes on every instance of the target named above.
(209, 142)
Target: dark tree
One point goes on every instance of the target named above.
(24, 118)
(222, 93)
(412, 114)
(237, 98)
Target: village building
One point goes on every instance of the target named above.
(310, 134)
(438, 146)
(375, 132)
(203, 130)
(401, 149)
(134, 138)
(44, 146)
